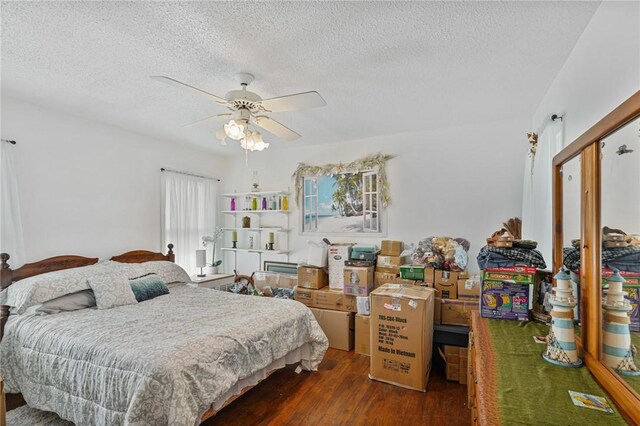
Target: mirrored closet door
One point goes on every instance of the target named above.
(620, 256)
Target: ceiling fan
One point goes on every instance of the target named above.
(248, 108)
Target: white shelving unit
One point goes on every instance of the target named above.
(277, 222)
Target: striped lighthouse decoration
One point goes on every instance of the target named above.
(561, 341)
(617, 350)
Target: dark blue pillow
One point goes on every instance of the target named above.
(147, 287)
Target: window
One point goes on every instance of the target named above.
(189, 213)
(342, 203)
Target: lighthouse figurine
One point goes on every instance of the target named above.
(617, 349)
(561, 341)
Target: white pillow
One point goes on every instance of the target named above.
(169, 272)
(44, 287)
(112, 290)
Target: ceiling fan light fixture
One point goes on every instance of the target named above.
(235, 129)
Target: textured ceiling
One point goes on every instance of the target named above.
(382, 67)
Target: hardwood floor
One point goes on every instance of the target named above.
(341, 393)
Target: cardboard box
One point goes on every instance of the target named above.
(326, 299)
(448, 289)
(363, 334)
(317, 255)
(405, 281)
(338, 253)
(469, 288)
(358, 281)
(338, 326)
(310, 277)
(383, 278)
(391, 248)
(412, 272)
(504, 300)
(457, 312)
(456, 359)
(402, 335)
(386, 261)
(446, 279)
(429, 275)
(388, 269)
(437, 310)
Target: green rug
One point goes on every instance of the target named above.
(533, 391)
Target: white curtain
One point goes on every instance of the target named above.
(537, 214)
(11, 240)
(189, 213)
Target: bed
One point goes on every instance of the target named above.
(175, 359)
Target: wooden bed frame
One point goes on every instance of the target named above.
(58, 263)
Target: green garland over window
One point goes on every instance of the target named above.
(370, 162)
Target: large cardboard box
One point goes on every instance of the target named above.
(469, 288)
(429, 275)
(447, 289)
(363, 335)
(388, 269)
(383, 278)
(326, 299)
(358, 281)
(391, 248)
(446, 279)
(310, 277)
(384, 260)
(402, 335)
(437, 310)
(457, 311)
(338, 326)
(338, 253)
(405, 281)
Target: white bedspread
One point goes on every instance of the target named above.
(159, 362)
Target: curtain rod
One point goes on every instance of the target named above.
(188, 174)
(12, 142)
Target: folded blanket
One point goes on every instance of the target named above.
(625, 259)
(504, 257)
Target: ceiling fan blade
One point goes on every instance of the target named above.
(275, 128)
(293, 102)
(212, 119)
(176, 83)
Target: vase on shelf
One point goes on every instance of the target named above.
(233, 205)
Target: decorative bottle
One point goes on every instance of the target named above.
(254, 204)
(285, 203)
(233, 205)
(264, 203)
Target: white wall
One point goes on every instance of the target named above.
(88, 188)
(460, 182)
(601, 72)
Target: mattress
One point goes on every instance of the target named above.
(162, 361)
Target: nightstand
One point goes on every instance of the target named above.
(220, 282)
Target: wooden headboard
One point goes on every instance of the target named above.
(59, 263)
(140, 256)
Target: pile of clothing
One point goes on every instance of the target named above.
(505, 249)
(507, 257)
(442, 253)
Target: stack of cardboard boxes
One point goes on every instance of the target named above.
(389, 262)
(458, 295)
(456, 360)
(333, 309)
